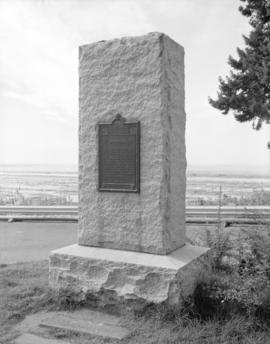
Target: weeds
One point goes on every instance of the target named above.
(202, 318)
(23, 290)
(239, 282)
(230, 304)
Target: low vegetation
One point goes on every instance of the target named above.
(231, 302)
(23, 290)
(257, 197)
(239, 281)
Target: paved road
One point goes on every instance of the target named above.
(26, 241)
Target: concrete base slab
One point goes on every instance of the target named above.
(126, 275)
(29, 338)
(88, 322)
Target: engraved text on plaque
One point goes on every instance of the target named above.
(119, 156)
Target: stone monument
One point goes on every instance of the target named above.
(132, 165)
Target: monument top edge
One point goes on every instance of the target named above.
(130, 39)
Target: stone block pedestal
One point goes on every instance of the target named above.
(132, 244)
(127, 275)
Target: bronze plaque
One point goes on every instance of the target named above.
(119, 156)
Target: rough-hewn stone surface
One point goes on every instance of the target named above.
(143, 79)
(125, 275)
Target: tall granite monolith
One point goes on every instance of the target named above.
(132, 182)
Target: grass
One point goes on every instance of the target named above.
(24, 290)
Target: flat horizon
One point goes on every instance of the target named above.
(46, 167)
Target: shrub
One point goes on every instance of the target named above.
(242, 287)
(221, 247)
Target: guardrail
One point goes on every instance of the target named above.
(39, 213)
(194, 214)
(228, 214)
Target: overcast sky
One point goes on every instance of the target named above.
(39, 42)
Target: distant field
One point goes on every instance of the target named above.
(32, 185)
(203, 188)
